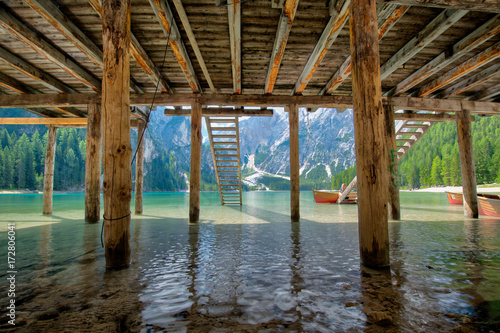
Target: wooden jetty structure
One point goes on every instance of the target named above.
(106, 60)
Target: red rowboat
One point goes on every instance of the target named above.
(455, 198)
(489, 204)
(325, 196)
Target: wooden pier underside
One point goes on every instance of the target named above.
(437, 60)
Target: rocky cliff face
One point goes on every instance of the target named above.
(326, 139)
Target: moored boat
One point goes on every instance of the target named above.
(325, 196)
(455, 198)
(489, 204)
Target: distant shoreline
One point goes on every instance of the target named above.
(455, 189)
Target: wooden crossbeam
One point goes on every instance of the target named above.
(400, 103)
(435, 28)
(454, 74)
(328, 37)
(284, 27)
(473, 5)
(30, 37)
(387, 19)
(467, 44)
(140, 55)
(434, 117)
(222, 112)
(57, 122)
(487, 94)
(234, 18)
(166, 19)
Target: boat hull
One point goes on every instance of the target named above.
(489, 204)
(455, 198)
(325, 197)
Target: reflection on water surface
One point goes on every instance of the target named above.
(250, 269)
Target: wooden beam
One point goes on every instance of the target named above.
(328, 37)
(194, 44)
(464, 138)
(29, 70)
(471, 82)
(195, 170)
(390, 18)
(117, 150)
(222, 112)
(467, 44)
(461, 70)
(346, 102)
(487, 94)
(234, 17)
(139, 166)
(371, 161)
(434, 117)
(166, 20)
(293, 119)
(14, 85)
(48, 174)
(492, 6)
(93, 165)
(283, 30)
(43, 121)
(392, 164)
(435, 28)
(32, 38)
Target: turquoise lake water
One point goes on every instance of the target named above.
(249, 269)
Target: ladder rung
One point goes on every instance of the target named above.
(212, 121)
(225, 129)
(225, 149)
(224, 136)
(227, 155)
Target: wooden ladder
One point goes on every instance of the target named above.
(407, 133)
(224, 136)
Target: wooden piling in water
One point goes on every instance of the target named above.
(48, 175)
(466, 153)
(371, 161)
(93, 164)
(139, 164)
(392, 163)
(195, 170)
(293, 118)
(117, 183)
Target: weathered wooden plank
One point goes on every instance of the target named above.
(454, 74)
(283, 30)
(293, 120)
(434, 117)
(93, 164)
(328, 37)
(48, 174)
(165, 18)
(195, 169)
(117, 150)
(43, 121)
(467, 44)
(33, 72)
(234, 18)
(222, 112)
(487, 94)
(392, 163)
(435, 28)
(139, 167)
(194, 44)
(472, 5)
(390, 18)
(371, 161)
(474, 80)
(14, 85)
(464, 137)
(22, 31)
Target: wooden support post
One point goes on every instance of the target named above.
(371, 161)
(293, 118)
(467, 163)
(195, 171)
(393, 163)
(48, 175)
(139, 163)
(93, 164)
(117, 152)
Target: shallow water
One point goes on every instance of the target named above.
(249, 268)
